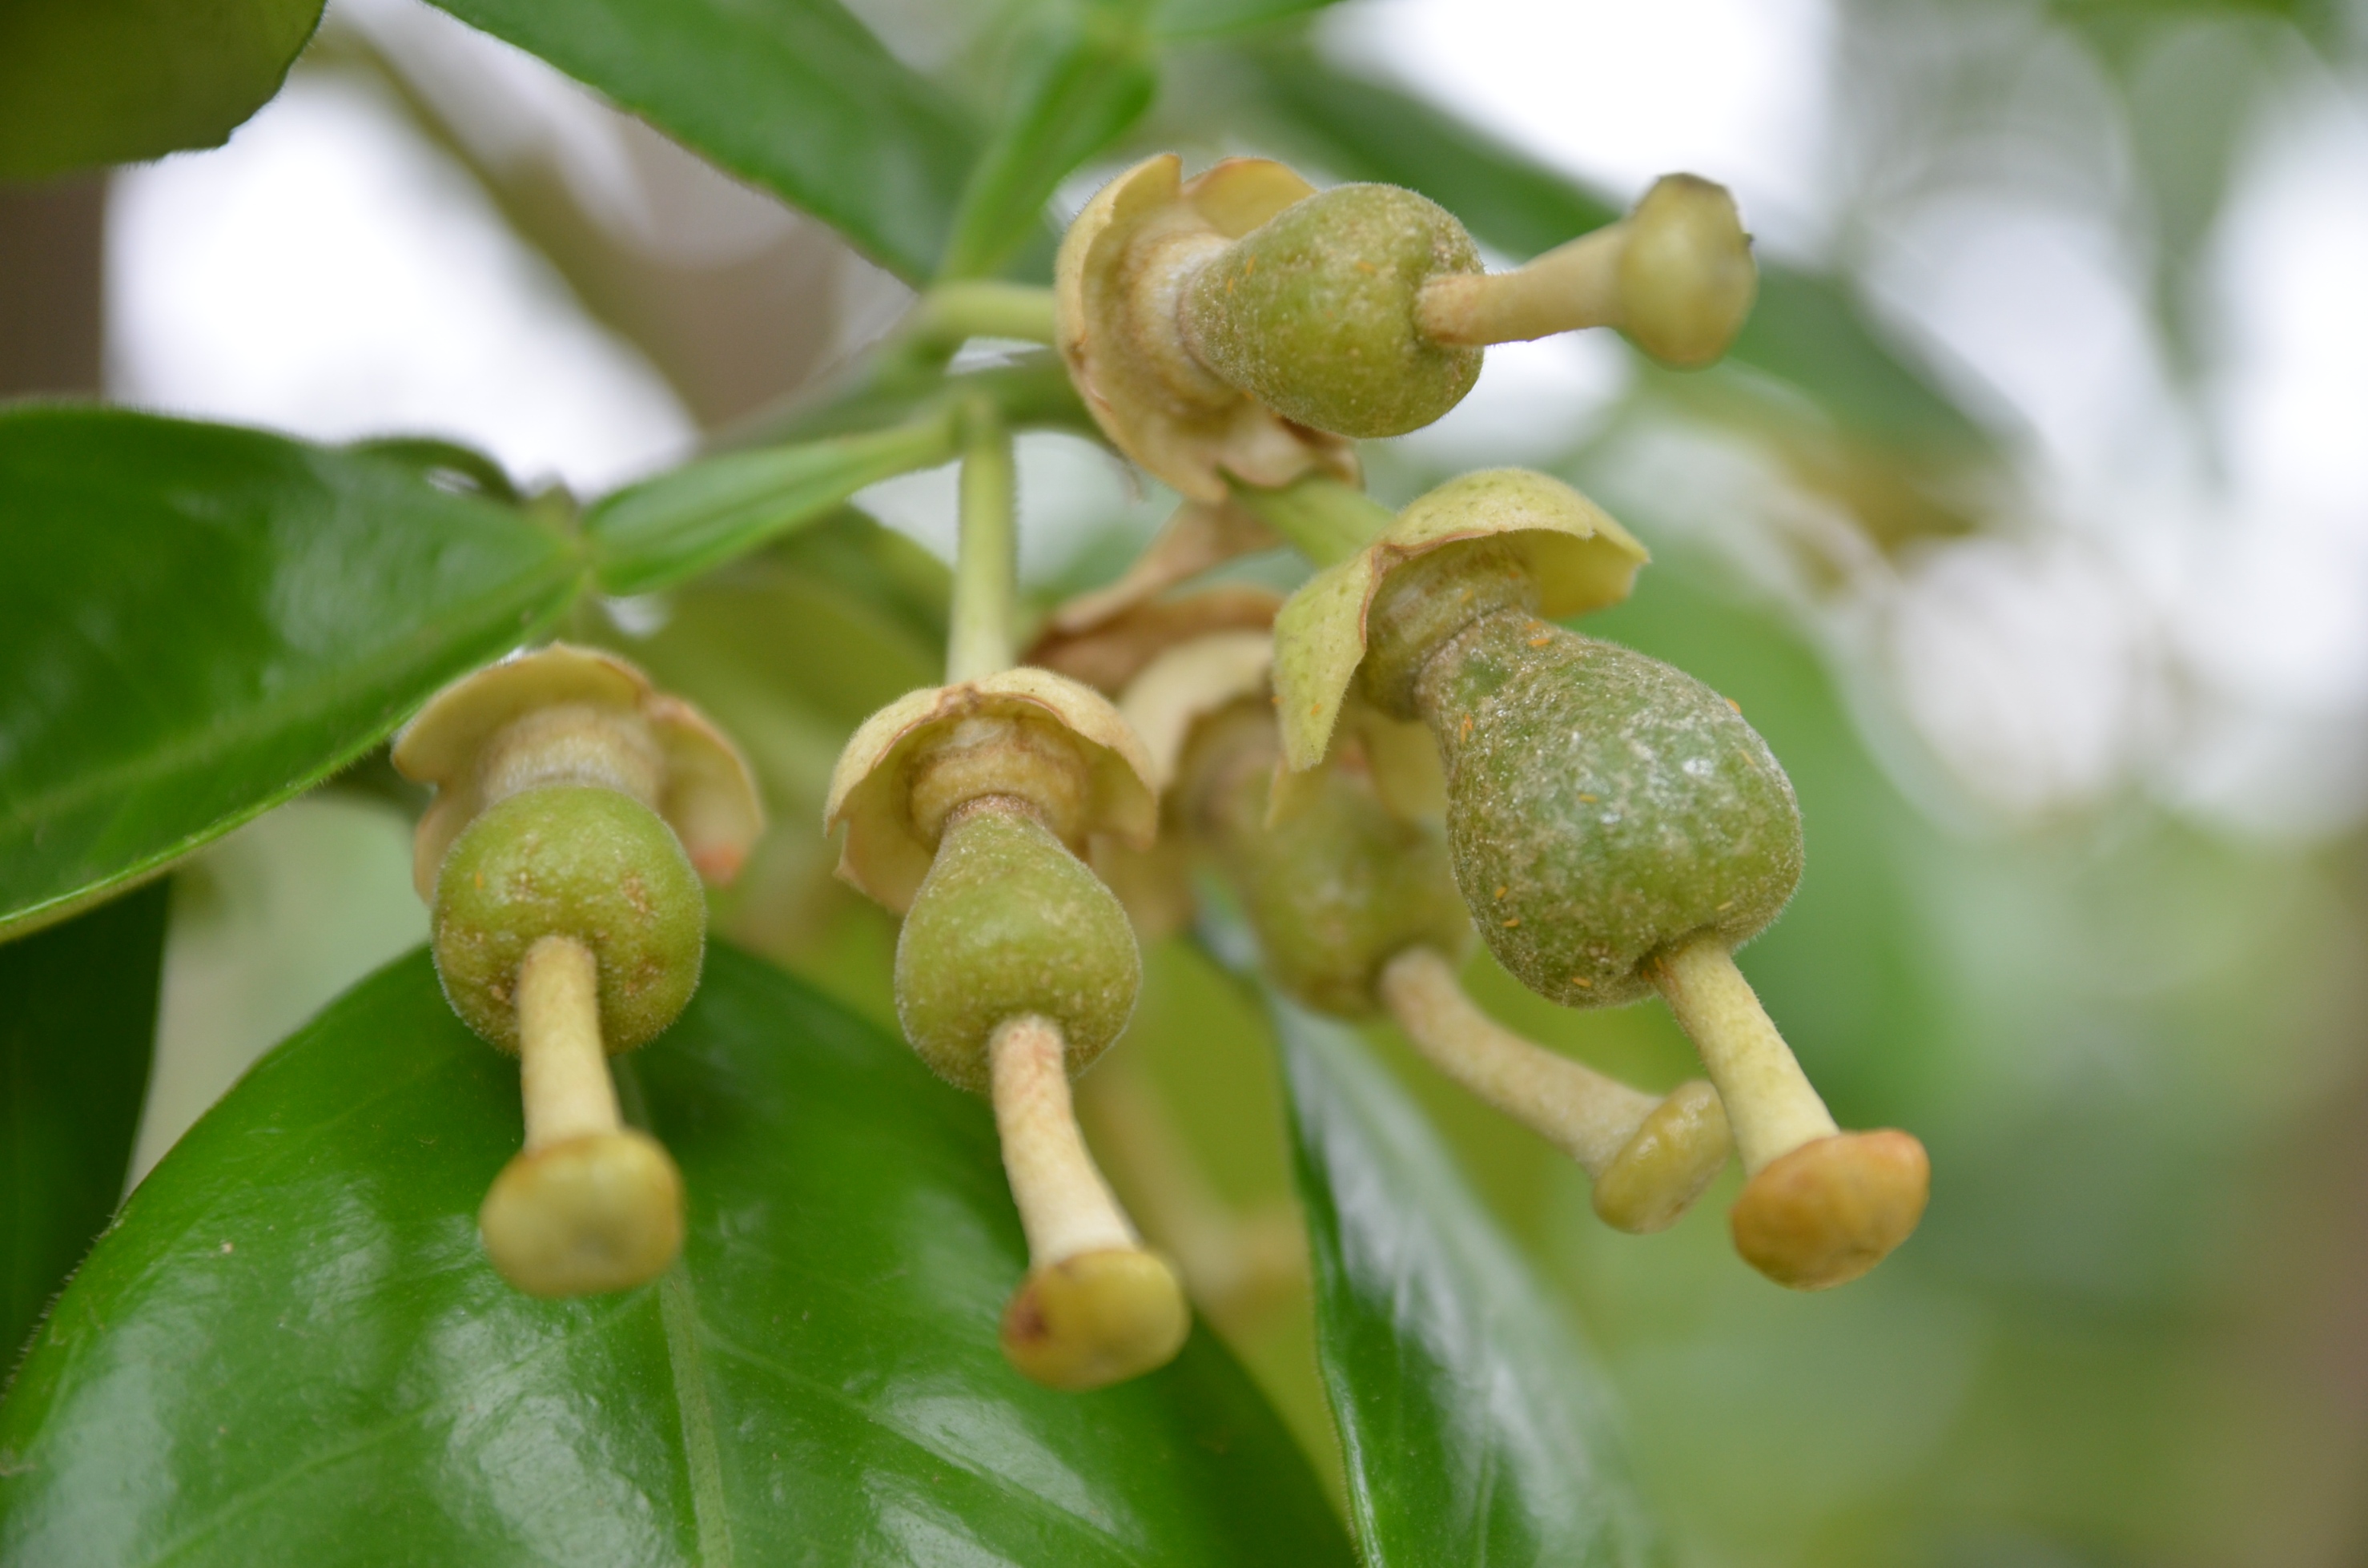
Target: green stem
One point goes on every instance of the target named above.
(986, 559)
(1321, 517)
(952, 313)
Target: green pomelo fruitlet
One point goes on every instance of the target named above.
(569, 860)
(1313, 312)
(1009, 922)
(1601, 805)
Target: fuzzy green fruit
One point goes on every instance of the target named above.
(569, 860)
(1338, 890)
(1313, 312)
(1601, 805)
(1007, 922)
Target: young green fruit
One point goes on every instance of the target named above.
(1007, 922)
(1617, 828)
(1314, 313)
(577, 811)
(568, 925)
(577, 861)
(1335, 892)
(1356, 910)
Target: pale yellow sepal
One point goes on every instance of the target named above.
(1197, 536)
(1115, 284)
(885, 855)
(704, 789)
(1110, 653)
(1191, 679)
(1576, 555)
(1400, 759)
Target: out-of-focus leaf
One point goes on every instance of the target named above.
(1086, 85)
(1033, 392)
(203, 621)
(1803, 329)
(89, 82)
(447, 465)
(291, 1348)
(77, 1032)
(1183, 20)
(655, 534)
(1473, 1426)
(795, 95)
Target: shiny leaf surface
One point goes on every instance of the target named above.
(290, 1349)
(795, 95)
(77, 1029)
(204, 621)
(1474, 1427)
(655, 534)
(84, 83)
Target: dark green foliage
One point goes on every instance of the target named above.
(1474, 1427)
(291, 1350)
(204, 621)
(86, 82)
(77, 1028)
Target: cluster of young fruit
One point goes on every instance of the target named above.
(1407, 748)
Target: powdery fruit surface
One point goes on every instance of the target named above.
(571, 861)
(1312, 313)
(1602, 805)
(1009, 922)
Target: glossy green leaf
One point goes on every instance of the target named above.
(1084, 88)
(77, 1029)
(1474, 1427)
(291, 1350)
(1805, 328)
(204, 621)
(795, 95)
(655, 534)
(84, 83)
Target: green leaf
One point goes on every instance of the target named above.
(1185, 20)
(84, 83)
(77, 1032)
(291, 1348)
(654, 534)
(204, 621)
(1474, 1427)
(1805, 328)
(794, 95)
(1082, 90)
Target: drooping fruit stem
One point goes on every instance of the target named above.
(1774, 1108)
(1675, 275)
(1821, 1206)
(1096, 1307)
(588, 1205)
(563, 1068)
(1569, 287)
(979, 641)
(1649, 1156)
(1064, 1206)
